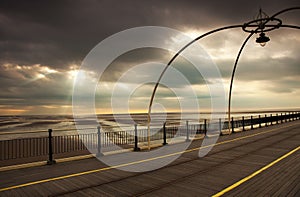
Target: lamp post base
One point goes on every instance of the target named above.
(51, 162)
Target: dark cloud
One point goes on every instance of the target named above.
(56, 33)
(148, 55)
(262, 69)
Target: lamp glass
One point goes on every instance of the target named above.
(263, 44)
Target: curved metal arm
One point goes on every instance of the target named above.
(285, 10)
(232, 77)
(179, 52)
(170, 62)
(291, 26)
(235, 66)
(236, 62)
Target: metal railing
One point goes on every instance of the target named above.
(98, 141)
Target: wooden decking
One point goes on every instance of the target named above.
(233, 158)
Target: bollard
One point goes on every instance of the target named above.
(99, 153)
(136, 148)
(165, 134)
(187, 132)
(259, 121)
(50, 160)
(266, 120)
(276, 118)
(251, 122)
(281, 118)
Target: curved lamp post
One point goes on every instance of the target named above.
(259, 25)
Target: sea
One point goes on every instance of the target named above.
(23, 126)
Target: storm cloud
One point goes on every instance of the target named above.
(42, 44)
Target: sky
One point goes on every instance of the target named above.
(43, 44)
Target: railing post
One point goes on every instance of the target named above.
(271, 118)
(187, 132)
(281, 118)
(205, 126)
(220, 125)
(294, 115)
(99, 153)
(266, 120)
(165, 134)
(259, 121)
(251, 122)
(136, 148)
(243, 123)
(50, 160)
(232, 124)
(276, 118)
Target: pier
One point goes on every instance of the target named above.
(261, 162)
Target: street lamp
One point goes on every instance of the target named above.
(261, 20)
(263, 23)
(262, 39)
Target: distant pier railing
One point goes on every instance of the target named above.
(98, 141)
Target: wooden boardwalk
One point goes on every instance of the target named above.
(234, 157)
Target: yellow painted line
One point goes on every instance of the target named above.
(231, 187)
(138, 162)
(42, 163)
(20, 166)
